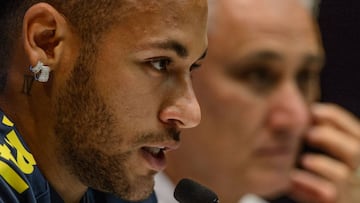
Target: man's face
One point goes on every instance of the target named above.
(117, 116)
(260, 76)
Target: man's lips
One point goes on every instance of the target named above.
(154, 154)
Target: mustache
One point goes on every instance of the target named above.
(168, 134)
(174, 134)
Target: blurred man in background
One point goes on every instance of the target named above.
(257, 92)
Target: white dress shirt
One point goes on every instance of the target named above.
(164, 190)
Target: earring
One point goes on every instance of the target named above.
(41, 72)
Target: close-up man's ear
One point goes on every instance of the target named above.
(44, 31)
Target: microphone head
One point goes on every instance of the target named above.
(189, 191)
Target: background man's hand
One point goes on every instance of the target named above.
(334, 177)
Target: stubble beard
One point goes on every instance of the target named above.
(83, 125)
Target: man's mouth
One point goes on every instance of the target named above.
(157, 152)
(155, 156)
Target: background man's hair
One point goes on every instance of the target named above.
(311, 5)
(89, 19)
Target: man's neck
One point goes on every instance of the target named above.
(67, 185)
(39, 137)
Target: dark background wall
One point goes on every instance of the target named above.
(339, 22)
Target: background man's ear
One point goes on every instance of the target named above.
(44, 31)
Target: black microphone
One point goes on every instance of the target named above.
(189, 191)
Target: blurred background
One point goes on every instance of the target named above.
(339, 22)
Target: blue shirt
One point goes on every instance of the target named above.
(21, 179)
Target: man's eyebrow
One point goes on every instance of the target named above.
(265, 55)
(309, 59)
(179, 49)
(270, 55)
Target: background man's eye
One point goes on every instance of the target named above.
(160, 64)
(261, 79)
(306, 79)
(258, 78)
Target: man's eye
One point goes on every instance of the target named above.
(160, 64)
(306, 79)
(258, 78)
(195, 66)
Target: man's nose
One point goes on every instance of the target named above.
(289, 108)
(182, 108)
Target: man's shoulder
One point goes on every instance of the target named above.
(110, 198)
(20, 179)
